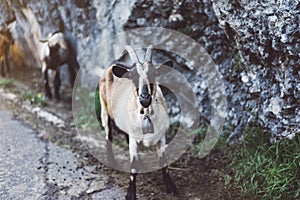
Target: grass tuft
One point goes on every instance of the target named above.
(262, 170)
(38, 99)
(6, 82)
(268, 170)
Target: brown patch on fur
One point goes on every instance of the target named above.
(4, 46)
(105, 85)
(17, 56)
(5, 43)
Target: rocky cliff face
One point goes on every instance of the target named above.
(267, 36)
(258, 59)
(89, 22)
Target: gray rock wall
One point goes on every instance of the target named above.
(88, 22)
(267, 35)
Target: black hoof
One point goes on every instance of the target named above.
(57, 97)
(48, 95)
(170, 185)
(171, 188)
(131, 193)
(130, 196)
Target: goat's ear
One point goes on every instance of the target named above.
(119, 70)
(164, 68)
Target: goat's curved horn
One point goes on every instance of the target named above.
(148, 56)
(132, 53)
(43, 40)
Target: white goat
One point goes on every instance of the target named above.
(131, 99)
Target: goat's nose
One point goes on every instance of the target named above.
(145, 99)
(145, 95)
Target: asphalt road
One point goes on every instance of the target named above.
(19, 159)
(31, 168)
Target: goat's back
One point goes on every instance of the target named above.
(55, 51)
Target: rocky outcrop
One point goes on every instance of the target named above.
(267, 35)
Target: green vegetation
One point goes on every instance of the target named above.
(199, 138)
(238, 65)
(166, 10)
(172, 131)
(6, 82)
(86, 114)
(186, 30)
(38, 99)
(267, 170)
(262, 170)
(236, 68)
(97, 104)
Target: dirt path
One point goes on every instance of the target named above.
(71, 172)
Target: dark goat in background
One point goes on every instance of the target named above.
(57, 50)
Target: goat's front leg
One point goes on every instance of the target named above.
(161, 151)
(57, 84)
(109, 141)
(2, 66)
(107, 125)
(7, 63)
(131, 191)
(73, 68)
(46, 81)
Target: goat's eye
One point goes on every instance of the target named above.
(137, 91)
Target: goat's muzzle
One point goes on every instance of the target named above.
(145, 99)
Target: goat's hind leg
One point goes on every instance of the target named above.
(57, 83)
(170, 185)
(106, 122)
(109, 141)
(73, 68)
(2, 67)
(6, 64)
(46, 82)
